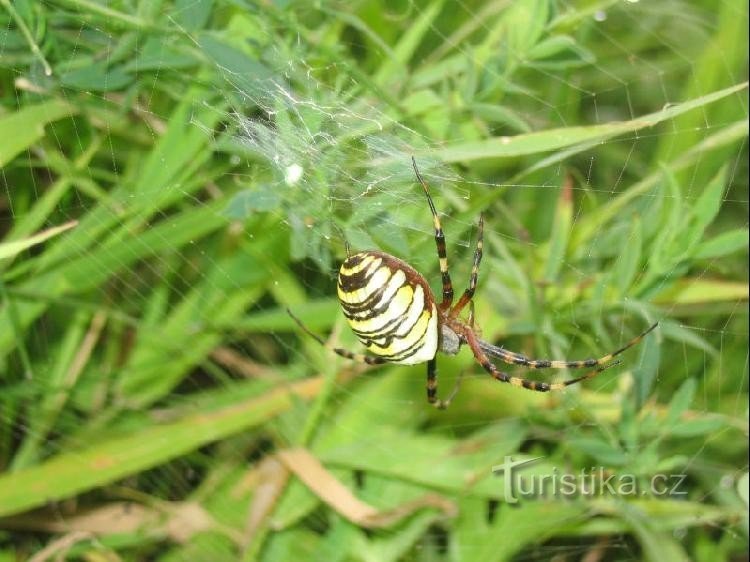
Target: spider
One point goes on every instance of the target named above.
(392, 311)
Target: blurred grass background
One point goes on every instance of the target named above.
(176, 173)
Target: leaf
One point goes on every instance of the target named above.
(629, 260)
(428, 461)
(702, 291)
(261, 199)
(408, 43)
(669, 243)
(159, 53)
(560, 233)
(724, 244)
(696, 427)
(525, 23)
(421, 101)
(657, 545)
(589, 225)
(743, 488)
(83, 271)
(11, 249)
(644, 373)
(673, 331)
(514, 528)
(192, 14)
(680, 402)
(559, 44)
(316, 315)
(25, 127)
(556, 139)
(337, 495)
(600, 450)
(97, 77)
(71, 473)
(500, 114)
(238, 68)
(708, 204)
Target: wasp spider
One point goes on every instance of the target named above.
(393, 312)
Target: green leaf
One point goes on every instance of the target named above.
(743, 488)
(158, 53)
(708, 204)
(697, 291)
(602, 451)
(556, 139)
(665, 249)
(500, 114)
(25, 127)
(696, 427)
(559, 44)
(74, 472)
(709, 148)
(97, 77)
(408, 43)
(678, 333)
(629, 261)
(11, 249)
(644, 373)
(261, 199)
(680, 402)
(514, 528)
(724, 244)
(560, 233)
(192, 14)
(316, 315)
(238, 68)
(657, 545)
(525, 23)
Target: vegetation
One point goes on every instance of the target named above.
(176, 174)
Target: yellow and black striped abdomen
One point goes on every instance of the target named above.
(389, 306)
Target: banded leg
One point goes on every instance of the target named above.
(514, 358)
(537, 386)
(358, 357)
(432, 387)
(439, 242)
(469, 293)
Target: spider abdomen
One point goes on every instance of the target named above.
(389, 306)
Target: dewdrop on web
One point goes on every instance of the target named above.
(292, 174)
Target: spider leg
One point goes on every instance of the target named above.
(432, 387)
(537, 386)
(513, 358)
(358, 357)
(439, 242)
(469, 292)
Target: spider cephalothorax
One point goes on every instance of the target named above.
(393, 312)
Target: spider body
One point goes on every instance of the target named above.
(395, 315)
(389, 307)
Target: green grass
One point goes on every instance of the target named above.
(164, 200)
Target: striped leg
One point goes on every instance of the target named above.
(469, 293)
(537, 386)
(440, 242)
(432, 387)
(513, 358)
(358, 357)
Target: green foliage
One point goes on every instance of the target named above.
(176, 174)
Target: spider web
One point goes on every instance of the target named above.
(261, 172)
